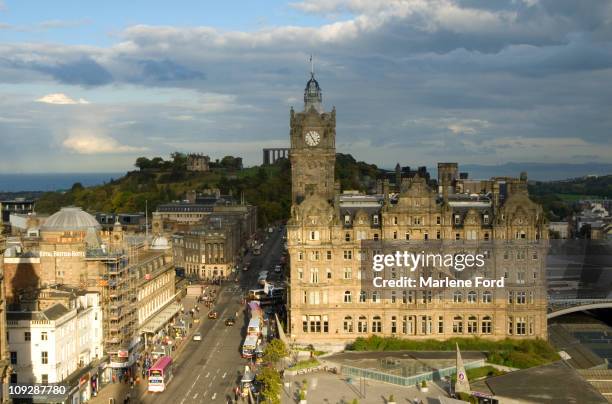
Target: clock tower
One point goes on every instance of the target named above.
(313, 147)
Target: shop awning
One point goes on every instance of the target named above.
(160, 319)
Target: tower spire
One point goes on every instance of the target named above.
(311, 66)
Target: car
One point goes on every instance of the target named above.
(213, 315)
(230, 321)
(197, 336)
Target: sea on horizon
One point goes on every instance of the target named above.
(52, 181)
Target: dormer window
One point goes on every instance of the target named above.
(314, 235)
(485, 219)
(457, 219)
(347, 219)
(375, 219)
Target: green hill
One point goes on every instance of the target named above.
(158, 181)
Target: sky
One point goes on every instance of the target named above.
(90, 86)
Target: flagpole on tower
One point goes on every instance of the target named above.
(311, 66)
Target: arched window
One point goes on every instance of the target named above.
(487, 296)
(348, 324)
(472, 325)
(376, 324)
(457, 296)
(486, 325)
(362, 324)
(472, 297)
(347, 296)
(457, 325)
(362, 296)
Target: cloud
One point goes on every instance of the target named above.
(60, 99)
(88, 143)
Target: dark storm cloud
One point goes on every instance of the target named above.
(167, 70)
(85, 72)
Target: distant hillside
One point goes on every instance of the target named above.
(158, 181)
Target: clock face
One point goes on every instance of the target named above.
(312, 138)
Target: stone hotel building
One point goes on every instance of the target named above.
(332, 237)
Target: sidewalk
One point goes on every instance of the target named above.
(118, 391)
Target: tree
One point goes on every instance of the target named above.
(143, 163)
(271, 385)
(275, 351)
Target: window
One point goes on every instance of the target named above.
(329, 273)
(305, 323)
(520, 277)
(394, 219)
(534, 255)
(329, 254)
(416, 220)
(300, 256)
(347, 219)
(520, 255)
(407, 236)
(375, 219)
(348, 273)
(393, 325)
(425, 324)
(315, 323)
(314, 235)
(300, 272)
(408, 325)
(472, 325)
(486, 325)
(325, 324)
(506, 255)
(375, 296)
(472, 297)
(487, 296)
(438, 236)
(13, 378)
(486, 236)
(457, 236)
(457, 219)
(13, 358)
(44, 357)
(314, 255)
(395, 235)
(304, 297)
(363, 296)
(440, 325)
(510, 325)
(27, 336)
(314, 297)
(362, 324)
(347, 236)
(43, 336)
(375, 236)
(44, 378)
(438, 220)
(347, 296)
(348, 324)
(457, 325)
(376, 324)
(510, 297)
(348, 254)
(521, 297)
(314, 275)
(457, 296)
(521, 326)
(426, 296)
(485, 219)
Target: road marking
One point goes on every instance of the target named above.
(214, 396)
(224, 374)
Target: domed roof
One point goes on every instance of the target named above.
(160, 243)
(313, 94)
(70, 219)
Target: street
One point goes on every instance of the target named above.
(209, 370)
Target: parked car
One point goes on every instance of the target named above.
(197, 336)
(230, 321)
(213, 315)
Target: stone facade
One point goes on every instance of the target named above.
(198, 162)
(332, 238)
